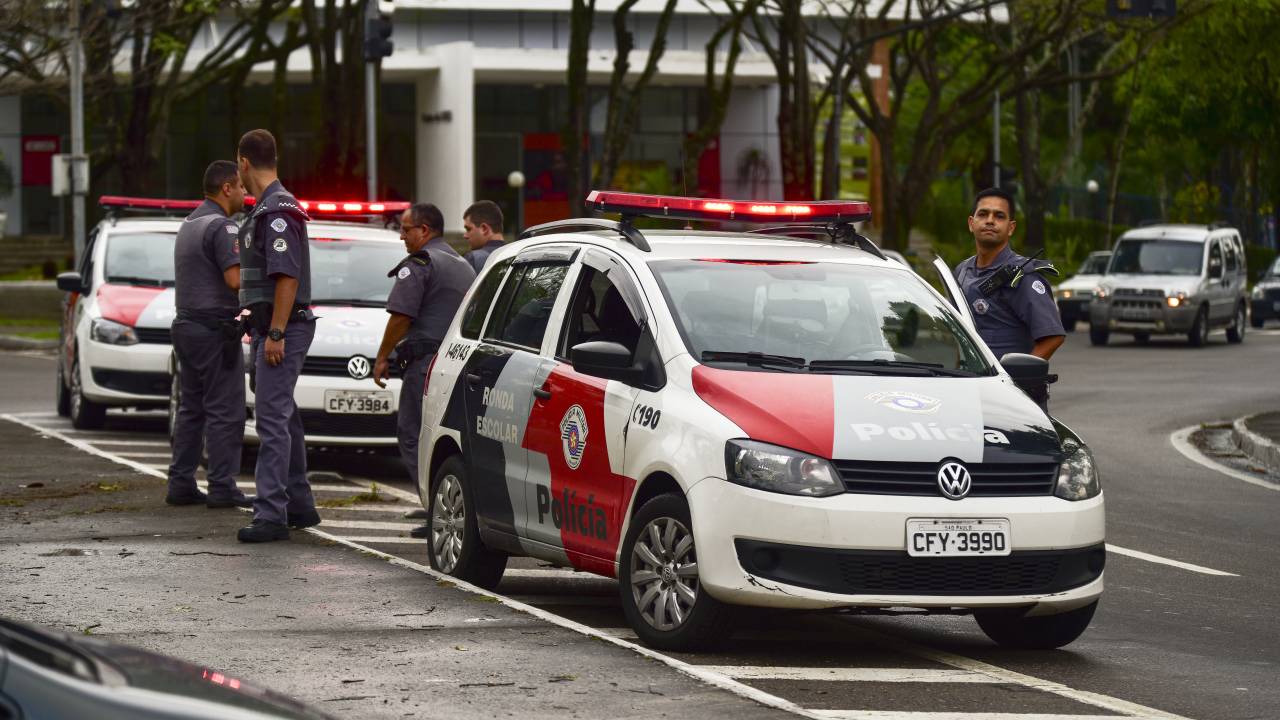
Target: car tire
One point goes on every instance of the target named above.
(61, 395)
(1141, 338)
(1235, 333)
(454, 546)
(1013, 629)
(1098, 336)
(1198, 336)
(85, 414)
(658, 568)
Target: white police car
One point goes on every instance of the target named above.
(751, 419)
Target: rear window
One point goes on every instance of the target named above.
(140, 259)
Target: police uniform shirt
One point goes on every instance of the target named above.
(1010, 319)
(429, 290)
(200, 261)
(480, 255)
(285, 242)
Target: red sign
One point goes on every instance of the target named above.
(37, 158)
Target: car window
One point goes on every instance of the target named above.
(86, 260)
(1095, 265)
(598, 311)
(478, 308)
(140, 258)
(352, 271)
(1230, 246)
(526, 304)
(1142, 256)
(1275, 268)
(1215, 253)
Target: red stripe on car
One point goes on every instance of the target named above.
(124, 303)
(791, 410)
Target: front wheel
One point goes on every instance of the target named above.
(1013, 629)
(1235, 333)
(85, 413)
(61, 396)
(1199, 334)
(454, 546)
(661, 594)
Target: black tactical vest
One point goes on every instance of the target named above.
(198, 282)
(255, 239)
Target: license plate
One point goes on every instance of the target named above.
(1135, 314)
(357, 402)
(957, 538)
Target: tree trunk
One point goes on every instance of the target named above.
(1034, 192)
(580, 20)
(831, 141)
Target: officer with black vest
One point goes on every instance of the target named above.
(1010, 299)
(206, 340)
(429, 285)
(276, 290)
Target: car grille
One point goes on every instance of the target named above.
(861, 572)
(1134, 292)
(319, 422)
(917, 478)
(1141, 304)
(129, 381)
(157, 336)
(1272, 294)
(334, 366)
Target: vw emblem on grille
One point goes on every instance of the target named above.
(954, 480)
(358, 367)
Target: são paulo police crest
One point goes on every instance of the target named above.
(573, 435)
(905, 401)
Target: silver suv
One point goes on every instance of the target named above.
(1172, 280)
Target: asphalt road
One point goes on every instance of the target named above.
(1190, 629)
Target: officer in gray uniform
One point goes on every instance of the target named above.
(276, 290)
(206, 340)
(429, 285)
(482, 229)
(1011, 302)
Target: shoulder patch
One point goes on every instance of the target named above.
(1038, 287)
(280, 245)
(232, 229)
(278, 225)
(404, 273)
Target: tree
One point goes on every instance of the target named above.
(581, 17)
(783, 33)
(334, 38)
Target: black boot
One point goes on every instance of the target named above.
(260, 531)
(238, 500)
(304, 519)
(192, 496)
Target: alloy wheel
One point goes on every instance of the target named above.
(664, 573)
(448, 520)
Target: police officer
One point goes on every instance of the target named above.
(206, 339)
(276, 290)
(482, 229)
(429, 285)
(1011, 302)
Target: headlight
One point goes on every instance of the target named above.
(1257, 293)
(777, 469)
(112, 332)
(1078, 476)
(1065, 294)
(1100, 293)
(1176, 300)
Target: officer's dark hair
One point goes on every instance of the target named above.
(485, 212)
(427, 214)
(259, 148)
(219, 173)
(996, 192)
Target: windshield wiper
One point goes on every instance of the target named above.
(891, 367)
(135, 280)
(754, 358)
(350, 301)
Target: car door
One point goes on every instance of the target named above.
(580, 428)
(1216, 286)
(75, 303)
(498, 382)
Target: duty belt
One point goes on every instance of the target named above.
(410, 350)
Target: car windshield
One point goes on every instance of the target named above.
(352, 272)
(140, 259)
(1157, 257)
(815, 317)
(1094, 265)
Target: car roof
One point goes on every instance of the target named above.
(316, 228)
(1189, 233)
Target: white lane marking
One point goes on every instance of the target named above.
(1166, 561)
(389, 540)
(144, 454)
(1182, 444)
(852, 674)
(369, 525)
(131, 443)
(909, 715)
(396, 508)
(37, 415)
(569, 600)
(250, 485)
(624, 633)
(709, 677)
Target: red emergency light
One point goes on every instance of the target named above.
(817, 211)
(313, 207)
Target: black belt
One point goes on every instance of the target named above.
(410, 350)
(260, 315)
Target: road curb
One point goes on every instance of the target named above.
(1263, 450)
(17, 342)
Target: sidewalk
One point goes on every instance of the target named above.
(1258, 436)
(87, 545)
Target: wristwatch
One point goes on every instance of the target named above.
(275, 334)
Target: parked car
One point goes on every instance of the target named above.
(1076, 292)
(723, 419)
(1173, 280)
(1266, 296)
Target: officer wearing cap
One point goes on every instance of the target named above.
(429, 285)
(1011, 302)
(482, 229)
(276, 290)
(206, 341)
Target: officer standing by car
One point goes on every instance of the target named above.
(276, 290)
(429, 285)
(206, 341)
(1011, 302)
(482, 229)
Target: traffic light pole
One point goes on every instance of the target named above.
(77, 134)
(371, 117)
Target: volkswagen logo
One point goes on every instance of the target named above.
(954, 480)
(358, 367)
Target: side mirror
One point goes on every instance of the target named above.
(70, 282)
(1028, 371)
(604, 359)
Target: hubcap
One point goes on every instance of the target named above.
(664, 573)
(75, 390)
(448, 519)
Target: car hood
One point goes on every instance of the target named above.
(139, 306)
(343, 331)
(1169, 284)
(1268, 282)
(1080, 283)
(877, 418)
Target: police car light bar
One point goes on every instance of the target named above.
(817, 211)
(313, 207)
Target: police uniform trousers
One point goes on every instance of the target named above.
(281, 472)
(210, 412)
(409, 416)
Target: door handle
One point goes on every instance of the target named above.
(472, 379)
(542, 394)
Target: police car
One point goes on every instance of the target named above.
(722, 419)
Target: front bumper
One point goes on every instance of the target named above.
(125, 375)
(1075, 306)
(1266, 307)
(324, 428)
(1146, 316)
(850, 551)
